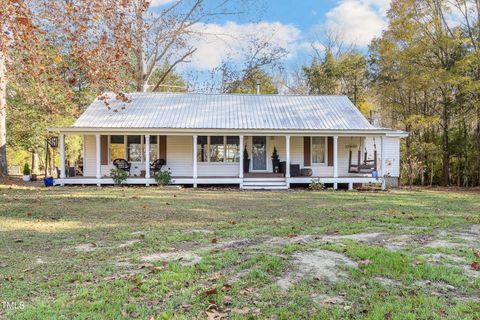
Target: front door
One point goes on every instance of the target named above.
(259, 153)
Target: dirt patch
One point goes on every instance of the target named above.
(360, 237)
(322, 264)
(475, 229)
(327, 301)
(202, 231)
(128, 243)
(387, 282)
(283, 241)
(443, 257)
(86, 247)
(185, 258)
(237, 244)
(440, 243)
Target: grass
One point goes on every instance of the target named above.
(46, 274)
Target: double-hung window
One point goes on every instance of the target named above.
(217, 149)
(117, 147)
(318, 149)
(232, 149)
(202, 149)
(134, 148)
(153, 148)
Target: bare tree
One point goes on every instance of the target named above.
(165, 36)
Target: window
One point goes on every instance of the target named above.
(117, 147)
(134, 148)
(153, 148)
(217, 149)
(202, 147)
(232, 149)
(318, 149)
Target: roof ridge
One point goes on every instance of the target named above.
(231, 94)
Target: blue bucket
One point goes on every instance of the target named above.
(48, 181)
(374, 174)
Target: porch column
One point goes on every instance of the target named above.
(335, 161)
(287, 159)
(381, 174)
(147, 157)
(241, 146)
(62, 156)
(195, 169)
(98, 156)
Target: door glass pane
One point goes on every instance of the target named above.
(259, 153)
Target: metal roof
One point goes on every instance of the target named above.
(225, 111)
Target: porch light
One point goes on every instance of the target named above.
(53, 141)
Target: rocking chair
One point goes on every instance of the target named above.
(122, 164)
(157, 165)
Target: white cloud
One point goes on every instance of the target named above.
(159, 3)
(358, 21)
(216, 42)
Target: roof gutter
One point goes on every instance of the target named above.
(273, 132)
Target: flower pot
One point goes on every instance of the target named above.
(26, 178)
(246, 165)
(275, 164)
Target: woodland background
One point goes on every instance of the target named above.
(422, 75)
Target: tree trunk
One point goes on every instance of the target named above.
(3, 116)
(445, 148)
(35, 169)
(51, 163)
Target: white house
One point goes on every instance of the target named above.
(202, 138)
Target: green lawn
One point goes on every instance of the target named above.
(147, 253)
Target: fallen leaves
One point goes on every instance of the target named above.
(211, 291)
(292, 235)
(475, 266)
(213, 312)
(186, 306)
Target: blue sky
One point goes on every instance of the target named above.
(295, 25)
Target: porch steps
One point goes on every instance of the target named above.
(264, 184)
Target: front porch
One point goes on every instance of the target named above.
(219, 159)
(264, 182)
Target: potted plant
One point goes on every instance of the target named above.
(246, 160)
(26, 172)
(275, 160)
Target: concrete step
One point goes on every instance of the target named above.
(263, 179)
(265, 183)
(266, 187)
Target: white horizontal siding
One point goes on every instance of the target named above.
(218, 169)
(89, 158)
(180, 155)
(392, 156)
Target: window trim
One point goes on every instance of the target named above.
(224, 162)
(325, 162)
